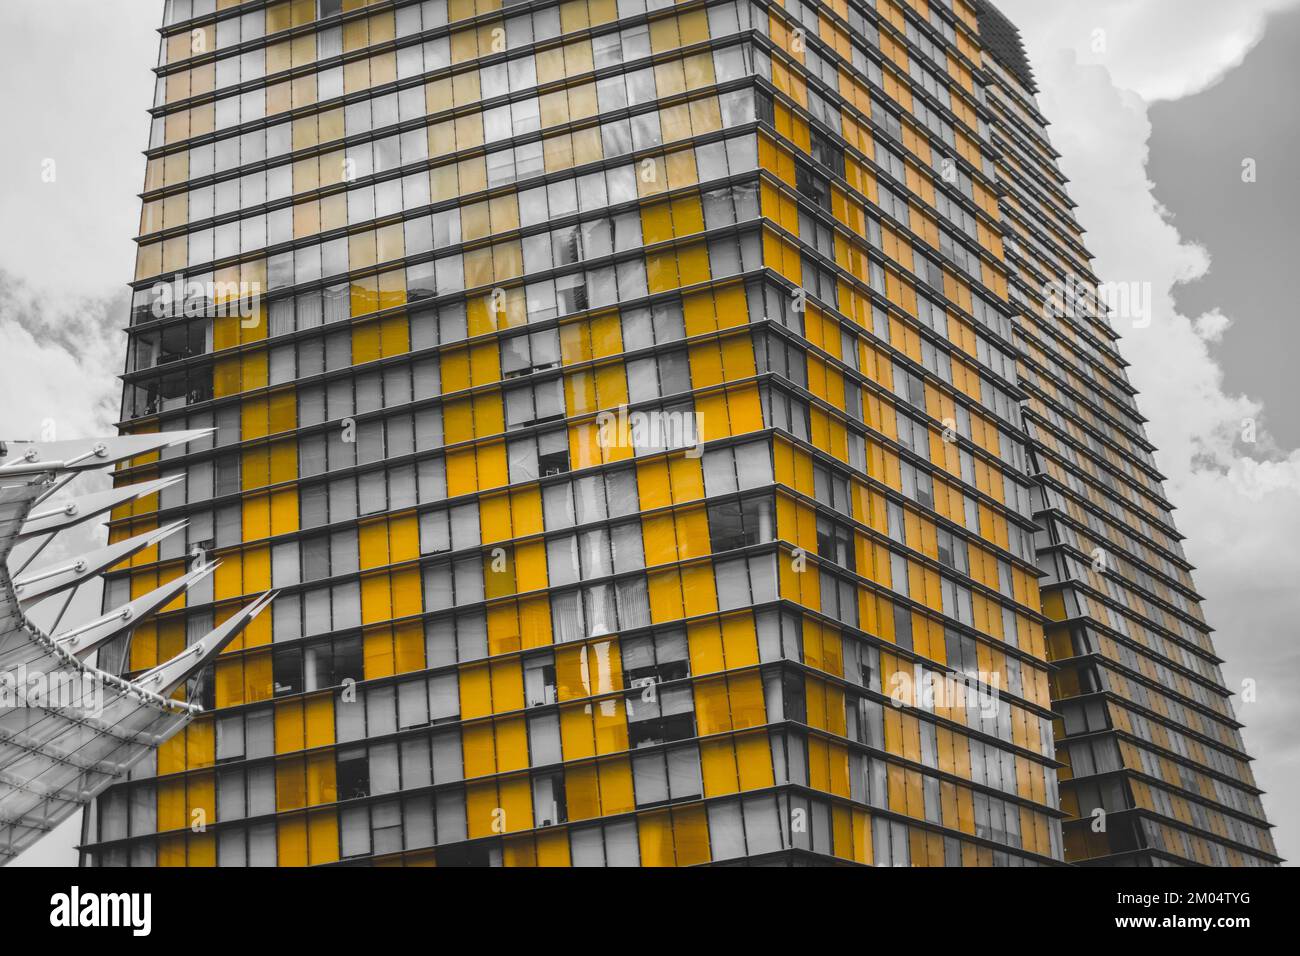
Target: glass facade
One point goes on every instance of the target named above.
(625, 400)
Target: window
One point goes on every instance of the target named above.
(534, 404)
(745, 581)
(286, 666)
(737, 468)
(533, 352)
(353, 773)
(741, 523)
(667, 776)
(952, 551)
(812, 185)
(611, 494)
(595, 553)
(655, 658)
(549, 807)
(600, 609)
(539, 680)
(538, 456)
(835, 543)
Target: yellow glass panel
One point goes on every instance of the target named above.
(512, 744)
(718, 766)
(664, 35)
(171, 805)
(290, 730)
(691, 835)
(516, 804)
(377, 649)
(376, 599)
(323, 836)
(656, 223)
(582, 792)
(201, 849)
(475, 691)
(576, 737)
(616, 786)
(319, 721)
(656, 838)
(507, 686)
(553, 848)
(291, 841)
(754, 761)
(482, 810)
(290, 784)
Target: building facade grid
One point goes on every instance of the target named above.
(641, 413)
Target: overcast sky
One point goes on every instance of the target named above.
(1197, 147)
(1154, 104)
(75, 82)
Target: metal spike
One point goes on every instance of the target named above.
(62, 575)
(165, 678)
(25, 458)
(81, 509)
(82, 640)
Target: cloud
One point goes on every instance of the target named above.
(1159, 49)
(68, 181)
(1238, 501)
(61, 354)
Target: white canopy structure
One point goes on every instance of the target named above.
(68, 729)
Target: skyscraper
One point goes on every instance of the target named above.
(1158, 774)
(624, 399)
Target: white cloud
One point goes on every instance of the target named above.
(60, 356)
(1211, 325)
(58, 384)
(1159, 49)
(77, 87)
(1238, 503)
